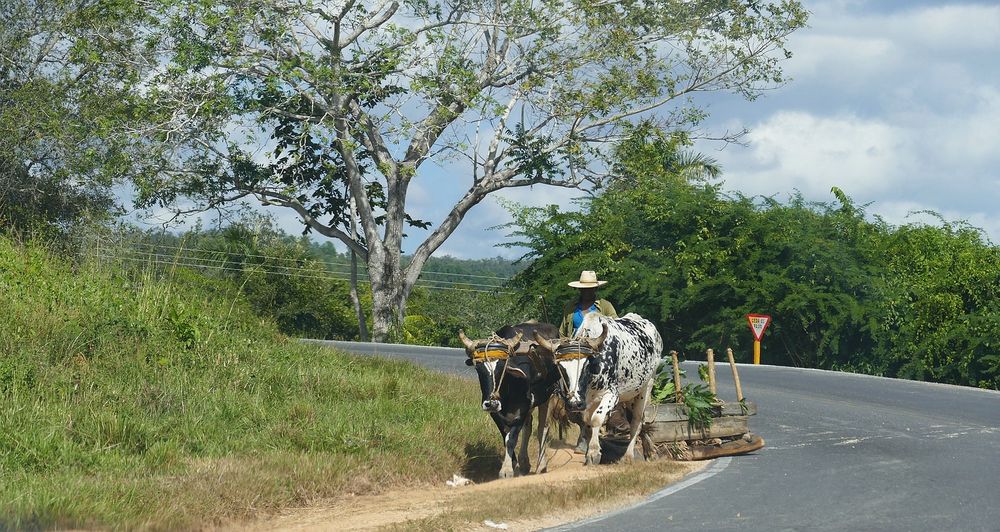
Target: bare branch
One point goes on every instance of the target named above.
(283, 200)
(373, 22)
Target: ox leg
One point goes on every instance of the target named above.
(510, 446)
(581, 441)
(523, 463)
(543, 436)
(595, 421)
(638, 409)
(584, 440)
(507, 466)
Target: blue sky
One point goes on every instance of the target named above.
(896, 103)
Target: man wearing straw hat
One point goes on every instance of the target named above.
(587, 302)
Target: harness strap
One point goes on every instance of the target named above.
(571, 350)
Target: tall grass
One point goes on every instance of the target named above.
(134, 399)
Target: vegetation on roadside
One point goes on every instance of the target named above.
(844, 290)
(140, 398)
(698, 399)
(304, 286)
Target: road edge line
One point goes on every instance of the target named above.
(717, 467)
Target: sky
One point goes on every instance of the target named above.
(897, 103)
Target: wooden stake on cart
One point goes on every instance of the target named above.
(678, 398)
(736, 376)
(710, 357)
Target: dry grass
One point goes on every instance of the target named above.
(550, 504)
(568, 492)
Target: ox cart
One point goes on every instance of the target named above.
(518, 377)
(672, 430)
(669, 431)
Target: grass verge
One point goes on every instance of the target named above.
(157, 400)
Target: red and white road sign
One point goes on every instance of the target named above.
(758, 323)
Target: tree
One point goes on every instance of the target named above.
(65, 73)
(355, 97)
(938, 316)
(694, 261)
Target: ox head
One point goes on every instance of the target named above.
(577, 359)
(491, 358)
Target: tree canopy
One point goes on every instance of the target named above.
(66, 74)
(332, 109)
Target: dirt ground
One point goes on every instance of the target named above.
(372, 512)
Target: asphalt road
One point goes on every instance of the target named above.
(844, 452)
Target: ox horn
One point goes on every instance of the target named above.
(546, 345)
(596, 343)
(515, 341)
(469, 344)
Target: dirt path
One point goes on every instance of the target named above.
(396, 507)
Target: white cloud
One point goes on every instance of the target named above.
(940, 27)
(842, 61)
(971, 137)
(795, 150)
(900, 161)
(898, 106)
(847, 49)
(944, 28)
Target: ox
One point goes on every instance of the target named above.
(610, 361)
(515, 381)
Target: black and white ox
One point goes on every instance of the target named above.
(609, 361)
(515, 381)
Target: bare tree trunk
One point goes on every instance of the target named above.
(388, 306)
(362, 323)
(390, 287)
(388, 294)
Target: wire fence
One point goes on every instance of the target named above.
(167, 255)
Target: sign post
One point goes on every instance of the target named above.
(758, 322)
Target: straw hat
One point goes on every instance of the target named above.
(588, 279)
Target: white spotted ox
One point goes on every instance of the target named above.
(515, 381)
(610, 361)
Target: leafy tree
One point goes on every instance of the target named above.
(66, 69)
(939, 312)
(355, 97)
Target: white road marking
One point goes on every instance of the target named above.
(714, 469)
